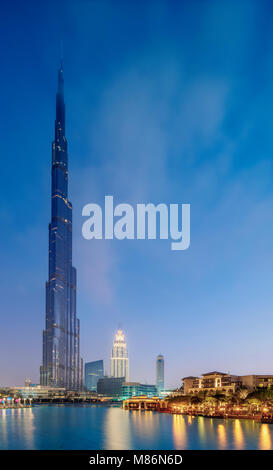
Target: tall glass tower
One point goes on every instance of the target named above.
(61, 337)
(93, 372)
(160, 373)
(119, 357)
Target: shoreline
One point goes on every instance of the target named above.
(259, 418)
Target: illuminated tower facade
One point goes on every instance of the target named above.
(119, 357)
(61, 337)
(160, 373)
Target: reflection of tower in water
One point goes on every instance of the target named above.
(17, 422)
(117, 430)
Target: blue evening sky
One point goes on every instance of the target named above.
(167, 101)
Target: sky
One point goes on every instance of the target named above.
(166, 101)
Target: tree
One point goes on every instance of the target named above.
(211, 400)
(196, 400)
(243, 393)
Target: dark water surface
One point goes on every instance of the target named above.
(99, 427)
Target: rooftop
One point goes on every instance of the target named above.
(214, 373)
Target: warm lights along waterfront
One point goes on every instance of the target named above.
(93, 427)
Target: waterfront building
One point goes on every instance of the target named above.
(93, 371)
(212, 382)
(225, 383)
(38, 391)
(144, 403)
(136, 389)
(119, 358)
(253, 381)
(61, 337)
(110, 386)
(160, 374)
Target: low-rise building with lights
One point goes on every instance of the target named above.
(212, 382)
(38, 391)
(135, 389)
(253, 381)
(225, 383)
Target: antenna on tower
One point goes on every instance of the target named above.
(62, 52)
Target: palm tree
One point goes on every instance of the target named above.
(255, 403)
(210, 401)
(243, 393)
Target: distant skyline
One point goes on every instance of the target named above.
(166, 102)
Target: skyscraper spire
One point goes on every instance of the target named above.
(62, 51)
(60, 106)
(61, 80)
(61, 352)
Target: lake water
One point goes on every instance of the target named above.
(101, 427)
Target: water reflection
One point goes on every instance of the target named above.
(239, 440)
(52, 427)
(3, 428)
(28, 426)
(265, 442)
(202, 430)
(222, 436)
(144, 422)
(180, 437)
(117, 430)
(146, 427)
(17, 421)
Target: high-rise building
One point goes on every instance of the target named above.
(160, 373)
(119, 357)
(93, 371)
(110, 386)
(81, 375)
(61, 337)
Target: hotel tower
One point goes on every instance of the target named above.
(160, 373)
(62, 366)
(119, 357)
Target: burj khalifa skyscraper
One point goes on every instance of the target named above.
(62, 366)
